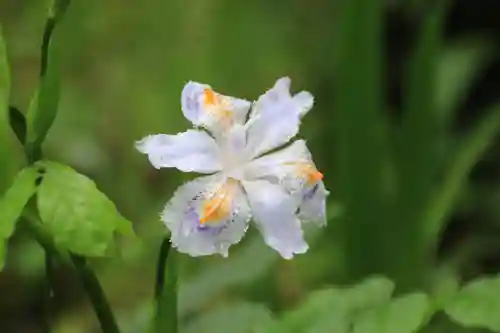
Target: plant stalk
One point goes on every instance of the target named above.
(96, 295)
(85, 274)
(165, 320)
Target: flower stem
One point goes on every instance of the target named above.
(166, 290)
(84, 272)
(96, 295)
(48, 293)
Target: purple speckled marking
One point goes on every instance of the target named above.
(310, 193)
(193, 101)
(193, 216)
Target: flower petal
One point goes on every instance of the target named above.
(206, 108)
(292, 167)
(274, 212)
(280, 163)
(294, 170)
(306, 101)
(207, 216)
(275, 118)
(313, 205)
(188, 151)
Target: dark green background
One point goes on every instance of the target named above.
(124, 65)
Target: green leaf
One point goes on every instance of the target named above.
(331, 310)
(44, 104)
(418, 150)
(3, 253)
(370, 293)
(13, 202)
(4, 81)
(167, 282)
(18, 124)
(58, 8)
(444, 288)
(405, 314)
(7, 168)
(477, 304)
(43, 107)
(441, 202)
(361, 137)
(79, 217)
(459, 64)
(233, 318)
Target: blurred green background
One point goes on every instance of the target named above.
(387, 156)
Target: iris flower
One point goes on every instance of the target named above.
(235, 144)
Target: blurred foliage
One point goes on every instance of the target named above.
(403, 205)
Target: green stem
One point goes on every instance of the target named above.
(166, 290)
(34, 153)
(96, 295)
(84, 272)
(160, 267)
(48, 293)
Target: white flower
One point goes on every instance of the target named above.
(278, 191)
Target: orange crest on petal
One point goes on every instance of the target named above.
(209, 97)
(307, 171)
(218, 207)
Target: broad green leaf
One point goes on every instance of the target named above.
(441, 202)
(79, 216)
(331, 310)
(13, 202)
(477, 304)
(361, 138)
(371, 292)
(419, 146)
(445, 287)
(233, 318)
(405, 314)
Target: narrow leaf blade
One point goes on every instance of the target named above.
(43, 108)
(418, 150)
(7, 169)
(459, 65)
(441, 203)
(4, 80)
(360, 135)
(45, 102)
